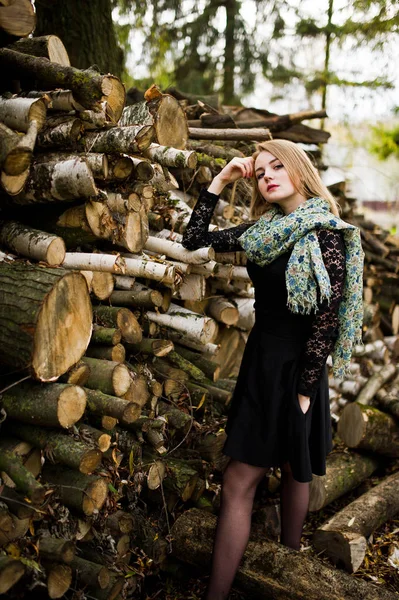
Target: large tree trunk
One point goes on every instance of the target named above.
(88, 34)
(45, 319)
(269, 570)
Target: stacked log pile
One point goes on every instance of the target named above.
(127, 343)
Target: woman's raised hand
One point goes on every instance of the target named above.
(235, 169)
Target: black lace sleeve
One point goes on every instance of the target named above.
(197, 235)
(325, 325)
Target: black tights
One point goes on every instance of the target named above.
(238, 490)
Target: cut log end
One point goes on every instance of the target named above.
(90, 461)
(59, 580)
(11, 571)
(351, 426)
(71, 405)
(95, 496)
(343, 548)
(63, 329)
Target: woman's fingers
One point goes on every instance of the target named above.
(236, 168)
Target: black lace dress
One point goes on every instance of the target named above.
(285, 355)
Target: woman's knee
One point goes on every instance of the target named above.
(241, 481)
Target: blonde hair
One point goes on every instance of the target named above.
(302, 173)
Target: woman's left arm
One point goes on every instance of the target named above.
(324, 330)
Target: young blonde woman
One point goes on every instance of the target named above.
(306, 267)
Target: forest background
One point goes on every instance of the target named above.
(279, 55)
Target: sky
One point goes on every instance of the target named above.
(344, 104)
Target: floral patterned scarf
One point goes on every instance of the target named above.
(275, 233)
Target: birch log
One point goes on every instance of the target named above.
(32, 243)
(128, 140)
(58, 182)
(203, 329)
(59, 133)
(177, 251)
(97, 161)
(171, 157)
(45, 319)
(18, 113)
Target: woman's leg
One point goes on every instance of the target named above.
(294, 508)
(234, 523)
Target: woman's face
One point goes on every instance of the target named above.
(274, 183)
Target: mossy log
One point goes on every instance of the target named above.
(122, 319)
(177, 419)
(91, 574)
(120, 522)
(106, 336)
(181, 478)
(11, 570)
(106, 405)
(184, 364)
(268, 569)
(210, 448)
(91, 435)
(29, 455)
(24, 480)
(165, 114)
(57, 549)
(32, 243)
(45, 319)
(343, 538)
(155, 347)
(18, 507)
(366, 428)
(88, 86)
(58, 446)
(146, 299)
(51, 405)
(46, 46)
(115, 353)
(84, 493)
(344, 472)
(109, 377)
(208, 367)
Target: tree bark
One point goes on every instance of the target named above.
(89, 36)
(52, 405)
(107, 336)
(375, 383)
(90, 573)
(170, 157)
(343, 538)
(84, 493)
(204, 329)
(59, 550)
(344, 472)
(255, 134)
(366, 428)
(269, 570)
(45, 318)
(115, 353)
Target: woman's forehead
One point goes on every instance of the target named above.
(264, 158)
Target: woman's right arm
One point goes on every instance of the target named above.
(196, 234)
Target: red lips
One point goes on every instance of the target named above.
(271, 187)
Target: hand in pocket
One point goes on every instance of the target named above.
(304, 403)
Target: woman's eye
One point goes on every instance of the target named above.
(278, 166)
(260, 176)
